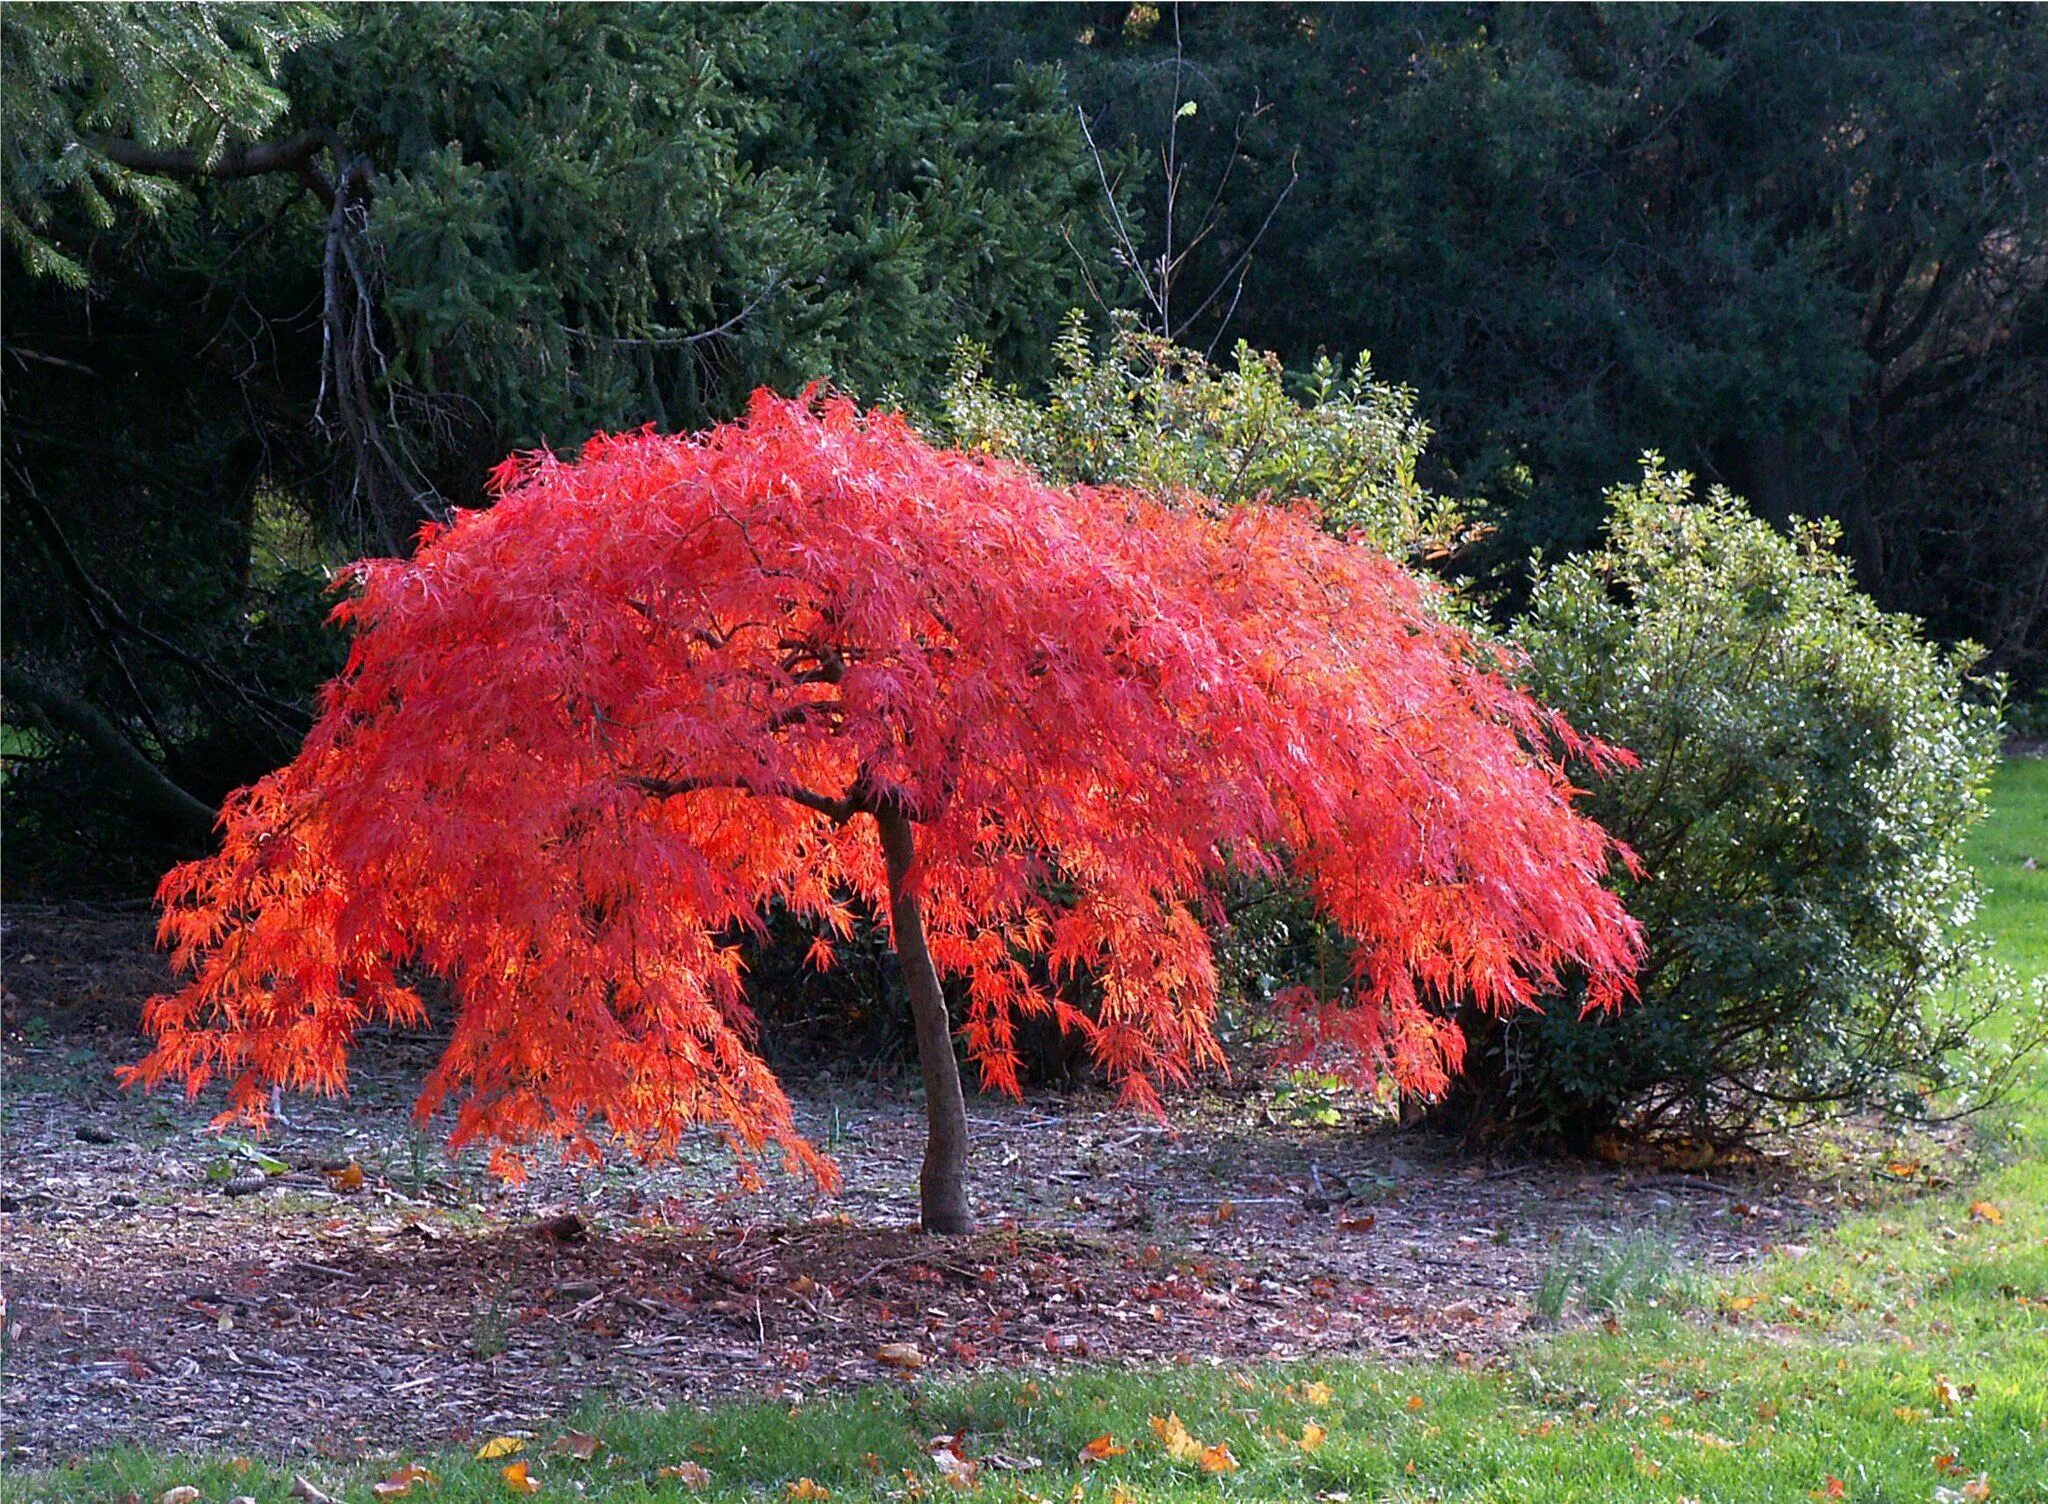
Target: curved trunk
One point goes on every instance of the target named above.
(943, 1182)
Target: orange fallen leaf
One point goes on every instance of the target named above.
(400, 1483)
(348, 1178)
(1834, 1488)
(499, 1446)
(516, 1479)
(690, 1474)
(1119, 1493)
(1904, 1169)
(1984, 1211)
(1217, 1459)
(1102, 1448)
(807, 1489)
(903, 1355)
(1978, 1489)
(1414, 1402)
(578, 1444)
(1313, 1436)
(1173, 1436)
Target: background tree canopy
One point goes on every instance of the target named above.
(1797, 249)
(282, 282)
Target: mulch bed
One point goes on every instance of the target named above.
(160, 1290)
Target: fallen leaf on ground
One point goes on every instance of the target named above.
(578, 1444)
(955, 1469)
(1834, 1488)
(1313, 1436)
(691, 1475)
(400, 1483)
(1173, 1435)
(807, 1489)
(1119, 1493)
(903, 1355)
(517, 1479)
(1217, 1459)
(303, 1489)
(1102, 1448)
(499, 1446)
(348, 1178)
(184, 1493)
(1984, 1211)
(1318, 1393)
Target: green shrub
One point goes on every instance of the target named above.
(1809, 769)
(1156, 417)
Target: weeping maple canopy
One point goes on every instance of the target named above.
(587, 737)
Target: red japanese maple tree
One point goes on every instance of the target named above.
(586, 738)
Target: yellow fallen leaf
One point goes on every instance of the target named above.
(1945, 1391)
(516, 1479)
(807, 1489)
(400, 1483)
(1217, 1459)
(1101, 1449)
(499, 1446)
(1984, 1211)
(1180, 1446)
(1313, 1436)
(1318, 1393)
(578, 1444)
(1118, 1493)
(690, 1474)
(903, 1355)
(1742, 1302)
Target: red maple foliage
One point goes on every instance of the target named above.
(587, 737)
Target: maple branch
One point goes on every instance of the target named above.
(839, 811)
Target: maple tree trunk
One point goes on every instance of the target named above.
(942, 1184)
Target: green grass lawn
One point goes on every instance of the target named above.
(1901, 1356)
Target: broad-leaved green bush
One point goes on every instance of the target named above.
(1809, 768)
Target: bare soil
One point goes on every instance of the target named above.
(162, 1290)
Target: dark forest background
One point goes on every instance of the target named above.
(281, 283)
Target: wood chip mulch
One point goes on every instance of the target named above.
(164, 1288)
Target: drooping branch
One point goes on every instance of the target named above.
(107, 617)
(61, 711)
(296, 155)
